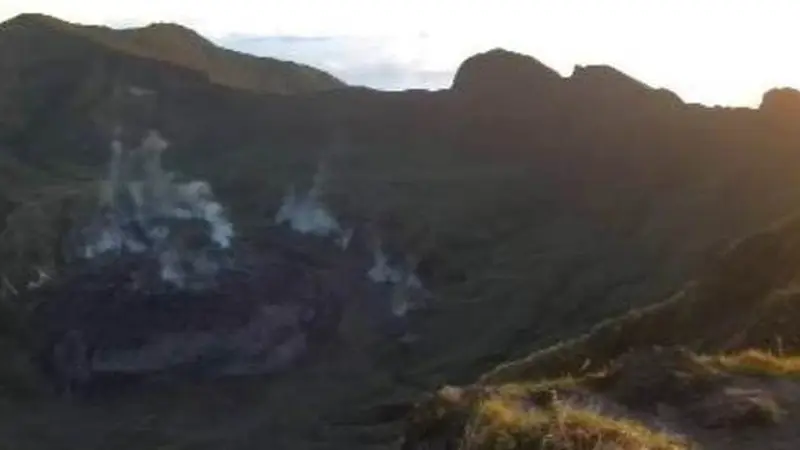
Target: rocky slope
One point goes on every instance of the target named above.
(536, 205)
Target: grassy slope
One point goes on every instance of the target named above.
(650, 399)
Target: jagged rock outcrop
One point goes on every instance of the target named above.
(604, 86)
(502, 72)
(783, 103)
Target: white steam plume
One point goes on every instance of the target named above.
(144, 210)
(407, 288)
(309, 215)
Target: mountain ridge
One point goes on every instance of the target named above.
(182, 46)
(496, 60)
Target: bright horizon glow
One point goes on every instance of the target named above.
(725, 52)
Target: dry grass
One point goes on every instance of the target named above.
(534, 389)
(559, 414)
(530, 416)
(756, 362)
(499, 425)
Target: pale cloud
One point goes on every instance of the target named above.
(379, 62)
(711, 51)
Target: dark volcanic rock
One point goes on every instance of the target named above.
(502, 90)
(611, 86)
(783, 102)
(500, 71)
(258, 318)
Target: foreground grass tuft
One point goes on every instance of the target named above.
(501, 425)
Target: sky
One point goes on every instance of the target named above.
(726, 52)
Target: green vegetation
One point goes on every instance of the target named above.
(36, 224)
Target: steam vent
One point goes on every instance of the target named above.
(157, 283)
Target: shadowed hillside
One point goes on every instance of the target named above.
(747, 299)
(640, 366)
